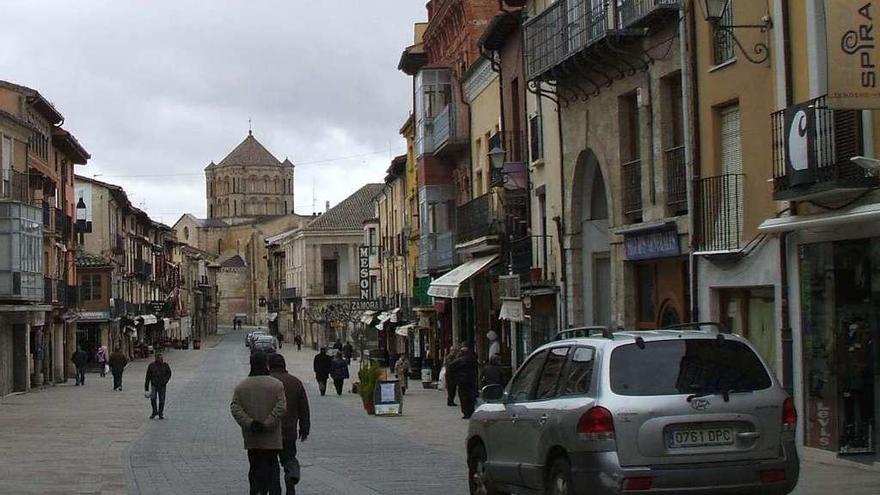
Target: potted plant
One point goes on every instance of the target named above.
(368, 378)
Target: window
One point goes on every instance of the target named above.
(331, 277)
(630, 154)
(578, 374)
(542, 218)
(549, 380)
(722, 39)
(729, 221)
(478, 183)
(91, 287)
(524, 382)
(671, 367)
(536, 133)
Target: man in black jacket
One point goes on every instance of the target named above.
(80, 359)
(297, 413)
(158, 375)
(464, 371)
(322, 365)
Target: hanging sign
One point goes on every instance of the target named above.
(853, 54)
(364, 272)
(800, 144)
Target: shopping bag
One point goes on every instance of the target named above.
(441, 380)
(106, 369)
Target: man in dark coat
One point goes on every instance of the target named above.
(117, 362)
(322, 365)
(297, 412)
(339, 371)
(464, 371)
(492, 374)
(158, 375)
(451, 386)
(347, 351)
(258, 404)
(298, 341)
(80, 359)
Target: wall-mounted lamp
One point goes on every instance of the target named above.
(714, 11)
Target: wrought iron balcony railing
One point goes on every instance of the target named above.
(818, 146)
(676, 179)
(436, 251)
(636, 13)
(14, 186)
(718, 222)
(562, 30)
(477, 218)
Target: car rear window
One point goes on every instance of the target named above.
(686, 366)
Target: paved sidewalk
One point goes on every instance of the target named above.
(71, 440)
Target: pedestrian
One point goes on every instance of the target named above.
(158, 375)
(492, 374)
(401, 369)
(494, 344)
(80, 359)
(464, 371)
(117, 362)
(258, 404)
(297, 412)
(339, 371)
(235, 323)
(101, 358)
(348, 351)
(298, 341)
(451, 385)
(337, 346)
(322, 366)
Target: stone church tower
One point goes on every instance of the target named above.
(249, 182)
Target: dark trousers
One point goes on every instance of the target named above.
(338, 385)
(287, 456)
(101, 369)
(80, 375)
(450, 392)
(158, 395)
(299, 346)
(322, 385)
(467, 398)
(117, 379)
(264, 473)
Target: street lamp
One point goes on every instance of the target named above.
(496, 160)
(714, 11)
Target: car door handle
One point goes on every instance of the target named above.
(749, 435)
(514, 418)
(542, 420)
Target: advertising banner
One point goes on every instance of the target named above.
(852, 54)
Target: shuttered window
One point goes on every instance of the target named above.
(730, 220)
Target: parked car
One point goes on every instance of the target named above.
(682, 410)
(252, 336)
(265, 343)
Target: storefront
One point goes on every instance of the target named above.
(659, 277)
(93, 332)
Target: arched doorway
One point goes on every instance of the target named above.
(591, 254)
(669, 314)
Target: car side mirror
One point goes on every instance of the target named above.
(492, 393)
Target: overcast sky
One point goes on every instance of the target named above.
(156, 90)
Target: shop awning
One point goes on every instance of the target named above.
(273, 316)
(368, 316)
(382, 318)
(395, 315)
(148, 319)
(404, 330)
(866, 213)
(449, 285)
(511, 311)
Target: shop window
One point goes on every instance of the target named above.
(645, 283)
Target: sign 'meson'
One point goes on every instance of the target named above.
(364, 272)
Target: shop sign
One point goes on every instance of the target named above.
(823, 427)
(364, 271)
(366, 305)
(158, 307)
(94, 315)
(656, 242)
(800, 144)
(853, 54)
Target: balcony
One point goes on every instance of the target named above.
(55, 291)
(119, 307)
(718, 222)
(478, 219)
(119, 244)
(813, 159)
(631, 181)
(560, 32)
(62, 223)
(642, 13)
(676, 179)
(446, 137)
(14, 186)
(435, 252)
(21, 242)
(520, 256)
(143, 269)
(289, 294)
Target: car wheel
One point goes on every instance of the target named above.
(559, 480)
(478, 479)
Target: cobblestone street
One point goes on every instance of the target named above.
(110, 447)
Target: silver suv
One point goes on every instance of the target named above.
(683, 410)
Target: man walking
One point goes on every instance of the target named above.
(258, 405)
(347, 351)
(80, 359)
(158, 374)
(298, 341)
(297, 412)
(464, 371)
(339, 371)
(101, 358)
(450, 378)
(322, 366)
(117, 362)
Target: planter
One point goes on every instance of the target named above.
(370, 408)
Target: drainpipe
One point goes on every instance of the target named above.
(560, 226)
(786, 330)
(689, 109)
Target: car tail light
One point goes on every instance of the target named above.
(636, 484)
(596, 424)
(772, 475)
(789, 415)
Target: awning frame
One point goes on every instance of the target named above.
(448, 286)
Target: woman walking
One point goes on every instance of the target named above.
(338, 371)
(401, 369)
(101, 357)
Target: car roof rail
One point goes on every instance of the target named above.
(585, 332)
(700, 326)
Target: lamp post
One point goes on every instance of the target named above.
(714, 11)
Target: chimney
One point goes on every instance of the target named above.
(326, 206)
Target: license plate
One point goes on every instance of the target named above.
(702, 437)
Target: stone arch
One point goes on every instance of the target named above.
(266, 182)
(590, 267)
